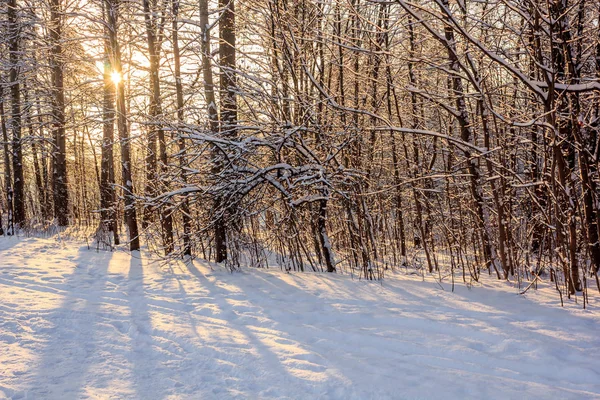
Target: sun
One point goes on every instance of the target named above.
(116, 77)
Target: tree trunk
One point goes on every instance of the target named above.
(323, 237)
(466, 136)
(15, 98)
(107, 171)
(185, 208)
(228, 105)
(156, 130)
(34, 152)
(61, 193)
(130, 211)
(10, 230)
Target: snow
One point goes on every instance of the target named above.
(76, 323)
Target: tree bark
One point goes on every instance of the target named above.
(15, 97)
(185, 208)
(10, 230)
(129, 197)
(156, 130)
(61, 193)
(107, 171)
(228, 111)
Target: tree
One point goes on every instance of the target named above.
(228, 112)
(107, 176)
(112, 8)
(153, 32)
(10, 230)
(61, 193)
(185, 209)
(15, 120)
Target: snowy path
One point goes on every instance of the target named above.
(75, 323)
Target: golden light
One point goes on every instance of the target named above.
(116, 78)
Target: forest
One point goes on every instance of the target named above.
(453, 137)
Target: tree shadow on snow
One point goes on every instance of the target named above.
(145, 361)
(69, 331)
(289, 362)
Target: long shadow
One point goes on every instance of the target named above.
(69, 331)
(454, 315)
(184, 295)
(515, 310)
(266, 353)
(145, 361)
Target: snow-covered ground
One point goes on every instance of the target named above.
(76, 323)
